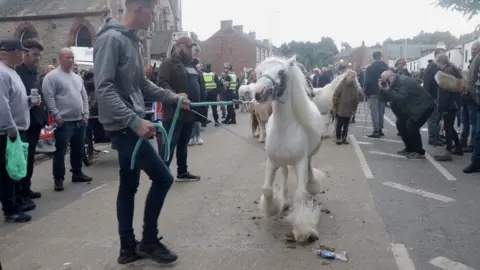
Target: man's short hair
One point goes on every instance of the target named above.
(438, 51)
(32, 43)
(377, 55)
(141, 2)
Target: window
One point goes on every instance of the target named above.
(466, 56)
(27, 34)
(83, 38)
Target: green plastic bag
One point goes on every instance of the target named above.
(16, 158)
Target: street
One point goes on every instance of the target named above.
(430, 209)
(386, 212)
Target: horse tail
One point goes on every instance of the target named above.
(254, 120)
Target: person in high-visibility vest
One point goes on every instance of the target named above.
(231, 85)
(213, 86)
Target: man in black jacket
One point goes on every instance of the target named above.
(431, 86)
(372, 92)
(416, 106)
(448, 104)
(38, 119)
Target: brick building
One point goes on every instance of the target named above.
(230, 44)
(61, 23)
(361, 55)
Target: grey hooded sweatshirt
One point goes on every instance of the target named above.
(120, 80)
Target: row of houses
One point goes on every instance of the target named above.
(459, 55)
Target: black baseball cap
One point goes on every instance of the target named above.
(12, 45)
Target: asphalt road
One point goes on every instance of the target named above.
(430, 209)
(213, 224)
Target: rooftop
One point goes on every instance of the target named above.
(26, 8)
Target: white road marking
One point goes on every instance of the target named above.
(389, 121)
(423, 193)
(365, 143)
(402, 258)
(360, 120)
(440, 168)
(387, 154)
(93, 189)
(385, 140)
(361, 157)
(447, 264)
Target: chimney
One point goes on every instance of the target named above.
(238, 28)
(253, 35)
(226, 25)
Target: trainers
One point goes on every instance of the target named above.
(27, 204)
(187, 177)
(156, 251)
(199, 141)
(192, 141)
(128, 255)
(403, 152)
(415, 156)
(472, 168)
(34, 195)
(18, 218)
(58, 186)
(435, 142)
(381, 133)
(81, 178)
(375, 135)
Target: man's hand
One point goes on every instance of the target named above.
(59, 121)
(185, 102)
(146, 130)
(12, 134)
(85, 120)
(35, 100)
(385, 87)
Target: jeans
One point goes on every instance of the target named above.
(148, 160)
(476, 139)
(409, 130)
(469, 121)
(180, 139)
(434, 126)
(70, 133)
(450, 132)
(342, 127)
(377, 112)
(196, 130)
(32, 136)
(7, 185)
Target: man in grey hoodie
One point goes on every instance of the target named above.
(121, 84)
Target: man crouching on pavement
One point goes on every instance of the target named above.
(179, 74)
(121, 85)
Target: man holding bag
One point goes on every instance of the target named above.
(14, 122)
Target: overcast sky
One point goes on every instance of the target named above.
(352, 21)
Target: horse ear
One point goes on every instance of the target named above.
(292, 60)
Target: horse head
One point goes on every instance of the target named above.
(272, 78)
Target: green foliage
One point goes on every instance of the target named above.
(469, 8)
(429, 38)
(311, 54)
(345, 46)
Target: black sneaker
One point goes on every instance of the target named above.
(415, 156)
(58, 186)
(375, 135)
(468, 149)
(187, 177)
(435, 142)
(403, 152)
(156, 252)
(458, 151)
(27, 204)
(381, 134)
(472, 168)
(34, 195)
(18, 218)
(217, 124)
(81, 178)
(128, 255)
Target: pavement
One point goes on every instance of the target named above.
(212, 224)
(430, 209)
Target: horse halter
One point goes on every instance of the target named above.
(278, 88)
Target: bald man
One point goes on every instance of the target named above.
(473, 91)
(67, 101)
(416, 107)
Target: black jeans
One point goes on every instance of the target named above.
(212, 96)
(451, 134)
(342, 127)
(32, 137)
(409, 130)
(181, 137)
(149, 161)
(231, 115)
(7, 185)
(70, 133)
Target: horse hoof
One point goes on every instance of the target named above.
(306, 237)
(269, 207)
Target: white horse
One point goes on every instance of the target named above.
(294, 135)
(246, 94)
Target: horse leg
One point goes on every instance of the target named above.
(261, 127)
(284, 190)
(268, 203)
(315, 177)
(305, 212)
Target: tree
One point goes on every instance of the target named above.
(469, 8)
(428, 38)
(345, 46)
(311, 54)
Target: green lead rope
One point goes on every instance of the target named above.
(167, 137)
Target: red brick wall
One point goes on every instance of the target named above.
(228, 46)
